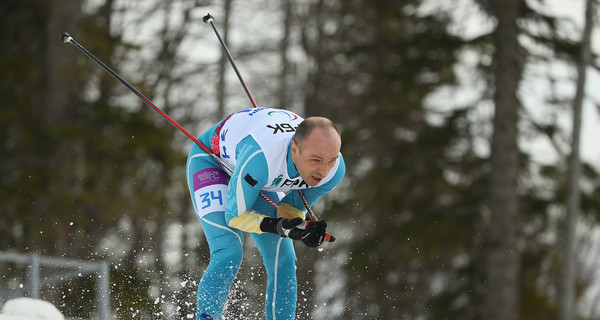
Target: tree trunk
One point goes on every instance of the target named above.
(567, 292)
(502, 268)
(283, 94)
(314, 49)
(58, 86)
(57, 109)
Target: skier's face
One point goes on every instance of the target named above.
(317, 155)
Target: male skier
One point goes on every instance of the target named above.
(275, 152)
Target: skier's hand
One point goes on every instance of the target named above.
(317, 235)
(295, 228)
(286, 227)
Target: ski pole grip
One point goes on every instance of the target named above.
(306, 223)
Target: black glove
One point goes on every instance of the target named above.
(317, 235)
(286, 227)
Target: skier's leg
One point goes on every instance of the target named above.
(208, 186)
(225, 258)
(279, 259)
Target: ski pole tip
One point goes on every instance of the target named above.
(208, 18)
(65, 37)
(329, 238)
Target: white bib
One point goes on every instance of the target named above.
(273, 130)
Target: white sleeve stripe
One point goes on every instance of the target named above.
(241, 201)
(274, 310)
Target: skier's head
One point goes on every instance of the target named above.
(315, 149)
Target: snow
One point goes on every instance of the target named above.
(29, 309)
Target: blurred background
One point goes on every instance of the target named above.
(470, 132)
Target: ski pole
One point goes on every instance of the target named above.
(66, 38)
(210, 20)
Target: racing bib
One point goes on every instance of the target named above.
(210, 191)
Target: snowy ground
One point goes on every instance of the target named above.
(29, 309)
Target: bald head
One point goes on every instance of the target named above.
(306, 127)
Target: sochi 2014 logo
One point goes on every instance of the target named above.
(283, 113)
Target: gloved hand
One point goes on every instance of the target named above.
(286, 227)
(316, 237)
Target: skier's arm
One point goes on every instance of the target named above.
(250, 175)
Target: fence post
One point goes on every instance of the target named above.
(34, 277)
(103, 294)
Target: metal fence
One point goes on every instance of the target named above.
(72, 269)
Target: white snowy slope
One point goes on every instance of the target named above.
(29, 309)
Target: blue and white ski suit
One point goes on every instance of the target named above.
(255, 143)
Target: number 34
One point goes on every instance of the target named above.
(208, 197)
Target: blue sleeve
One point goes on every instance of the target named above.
(249, 176)
(314, 193)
